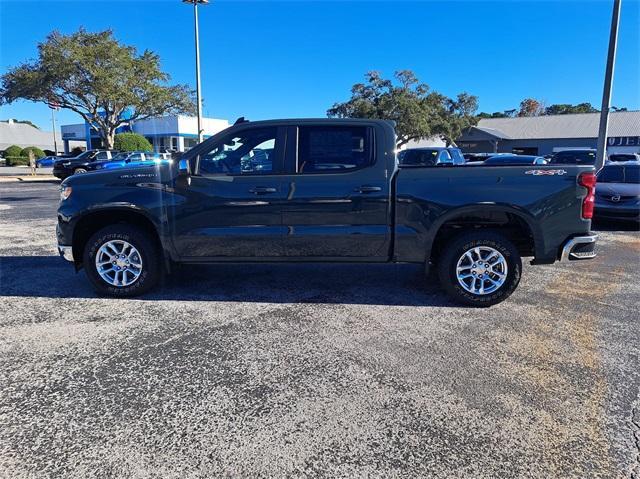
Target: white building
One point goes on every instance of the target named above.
(177, 132)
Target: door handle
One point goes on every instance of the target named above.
(262, 190)
(367, 189)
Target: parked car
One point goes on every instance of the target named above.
(618, 192)
(46, 161)
(501, 160)
(66, 167)
(128, 159)
(617, 157)
(334, 195)
(478, 157)
(431, 156)
(574, 157)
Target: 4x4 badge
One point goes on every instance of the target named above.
(545, 172)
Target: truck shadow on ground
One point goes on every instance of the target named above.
(51, 277)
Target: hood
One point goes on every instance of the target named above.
(622, 189)
(154, 173)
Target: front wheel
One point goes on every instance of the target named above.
(79, 171)
(480, 268)
(121, 260)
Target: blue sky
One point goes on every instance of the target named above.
(266, 59)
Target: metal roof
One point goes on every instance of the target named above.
(23, 135)
(580, 125)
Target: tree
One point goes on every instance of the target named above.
(37, 152)
(131, 142)
(417, 111)
(566, 108)
(99, 78)
(13, 150)
(531, 107)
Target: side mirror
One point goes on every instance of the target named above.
(184, 168)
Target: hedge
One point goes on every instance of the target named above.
(131, 142)
(16, 160)
(13, 150)
(37, 152)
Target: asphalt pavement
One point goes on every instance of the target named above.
(313, 370)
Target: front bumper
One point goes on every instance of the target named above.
(62, 173)
(66, 252)
(579, 247)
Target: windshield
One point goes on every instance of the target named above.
(619, 174)
(120, 157)
(83, 155)
(418, 157)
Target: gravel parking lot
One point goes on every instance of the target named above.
(294, 370)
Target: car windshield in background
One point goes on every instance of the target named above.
(619, 174)
(422, 157)
(120, 157)
(574, 157)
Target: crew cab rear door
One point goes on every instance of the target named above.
(337, 193)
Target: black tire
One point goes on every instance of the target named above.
(151, 260)
(447, 267)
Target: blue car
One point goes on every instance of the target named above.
(46, 161)
(130, 159)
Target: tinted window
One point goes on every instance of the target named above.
(247, 152)
(619, 174)
(334, 149)
(103, 155)
(622, 157)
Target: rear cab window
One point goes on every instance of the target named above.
(334, 149)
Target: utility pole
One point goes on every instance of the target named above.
(197, 41)
(54, 107)
(608, 84)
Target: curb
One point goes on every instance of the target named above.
(28, 179)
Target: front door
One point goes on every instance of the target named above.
(337, 194)
(232, 207)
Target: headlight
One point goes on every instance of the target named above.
(67, 163)
(65, 192)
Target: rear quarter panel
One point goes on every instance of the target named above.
(428, 197)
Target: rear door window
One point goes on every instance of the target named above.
(334, 149)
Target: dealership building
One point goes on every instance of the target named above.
(543, 135)
(167, 133)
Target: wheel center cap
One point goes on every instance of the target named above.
(480, 270)
(121, 263)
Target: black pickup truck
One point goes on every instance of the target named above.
(323, 191)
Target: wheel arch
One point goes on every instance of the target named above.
(96, 219)
(517, 224)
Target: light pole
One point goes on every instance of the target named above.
(608, 83)
(197, 40)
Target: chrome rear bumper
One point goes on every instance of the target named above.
(580, 247)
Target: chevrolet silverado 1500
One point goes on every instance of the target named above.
(327, 190)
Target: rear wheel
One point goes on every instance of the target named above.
(480, 268)
(121, 260)
(79, 171)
